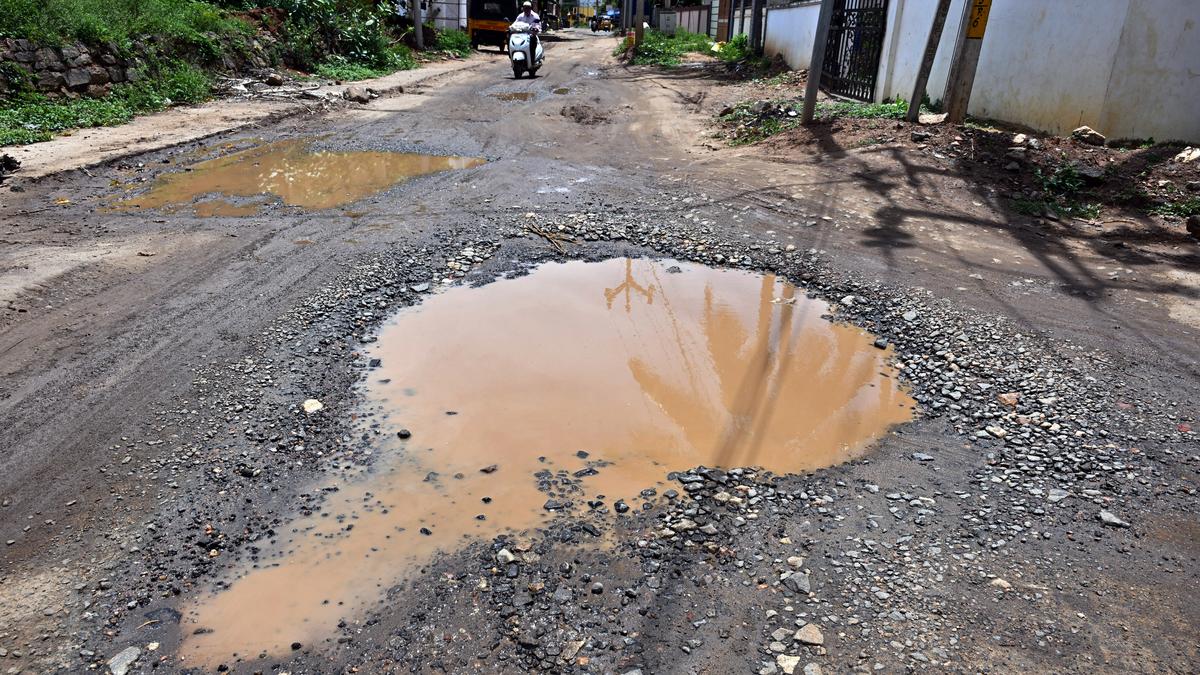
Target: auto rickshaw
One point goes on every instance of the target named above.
(488, 21)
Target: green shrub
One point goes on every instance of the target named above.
(120, 21)
(660, 49)
(341, 68)
(32, 118)
(737, 49)
(830, 110)
(456, 42)
(1179, 209)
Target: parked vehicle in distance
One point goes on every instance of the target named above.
(488, 21)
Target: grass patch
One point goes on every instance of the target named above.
(54, 22)
(753, 121)
(660, 49)
(34, 118)
(1178, 209)
(832, 110)
(1038, 208)
(1062, 189)
(454, 41)
(343, 69)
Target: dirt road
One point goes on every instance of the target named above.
(155, 363)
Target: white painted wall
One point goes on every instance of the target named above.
(1154, 90)
(450, 13)
(790, 32)
(1128, 68)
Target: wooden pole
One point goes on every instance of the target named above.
(931, 45)
(966, 59)
(817, 61)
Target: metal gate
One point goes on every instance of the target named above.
(856, 32)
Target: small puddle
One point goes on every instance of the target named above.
(296, 174)
(603, 377)
(562, 91)
(515, 96)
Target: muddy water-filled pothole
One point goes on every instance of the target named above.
(295, 173)
(585, 378)
(515, 96)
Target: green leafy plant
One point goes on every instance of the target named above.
(52, 22)
(1180, 209)
(341, 68)
(33, 118)
(456, 42)
(1063, 181)
(737, 49)
(661, 49)
(831, 110)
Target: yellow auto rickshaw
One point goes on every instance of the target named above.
(488, 22)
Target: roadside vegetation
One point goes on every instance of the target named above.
(662, 49)
(182, 43)
(31, 118)
(753, 121)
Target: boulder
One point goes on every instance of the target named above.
(1086, 134)
(120, 664)
(357, 94)
(1187, 156)
(50, 81)
(98, 75)
(1193, 227)
(78, 79)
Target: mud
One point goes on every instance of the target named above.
(581, 382)
(295, 173)
(219, 208)
(515, 96)
(584, 114)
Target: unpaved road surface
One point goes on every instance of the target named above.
(154, 367)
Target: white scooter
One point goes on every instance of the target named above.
(518, 50)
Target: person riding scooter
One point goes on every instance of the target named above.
(530, 17)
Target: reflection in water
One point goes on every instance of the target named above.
(298, 175)
(642, 369)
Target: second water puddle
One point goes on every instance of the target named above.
(292, 171)
(608, 375)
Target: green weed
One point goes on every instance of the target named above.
(660, 49)
(32, 118)
(456, 42)
(95, 21)
(1179, 209)
(827, 111)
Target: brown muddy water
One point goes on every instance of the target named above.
(219, 208)
(515, 96)
(295, 173)
(632, 368)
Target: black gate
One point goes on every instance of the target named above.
(856, 34)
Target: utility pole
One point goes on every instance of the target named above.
(637, 30)
(966, 58)
(756, 26)
(931, 45)
(817, 61)
(418, 29)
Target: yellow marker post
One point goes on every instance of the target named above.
(977, 21)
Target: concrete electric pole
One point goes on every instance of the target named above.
(418, 29)
(817, 61)
(931, 45)
(966, 59)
